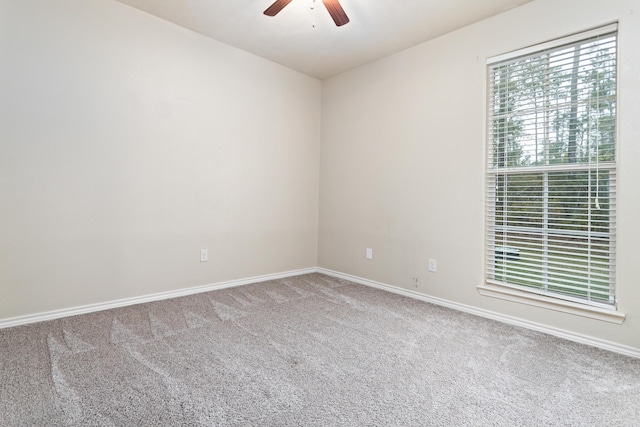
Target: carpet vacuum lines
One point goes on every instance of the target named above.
(309, 350)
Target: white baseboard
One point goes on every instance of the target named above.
(568, 335)
(91, 308)
(580, 338)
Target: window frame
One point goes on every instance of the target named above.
(526, 294)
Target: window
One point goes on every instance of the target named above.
(551, 169)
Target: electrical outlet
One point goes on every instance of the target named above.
(204, 255)
(369, 254)
(433, 265)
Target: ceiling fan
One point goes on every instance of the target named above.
(333, 6)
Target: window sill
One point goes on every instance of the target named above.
(536, 300)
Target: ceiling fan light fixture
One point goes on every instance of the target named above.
(336, 11)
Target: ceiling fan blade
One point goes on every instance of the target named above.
(336, 11)
(276, 7)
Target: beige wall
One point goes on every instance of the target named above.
(127, 144)
(402, 162)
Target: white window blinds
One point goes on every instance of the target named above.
(551, 168)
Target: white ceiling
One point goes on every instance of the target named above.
(307, 40)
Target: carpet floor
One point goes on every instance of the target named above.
(305, 351)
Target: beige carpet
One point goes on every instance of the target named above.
(305, 351)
